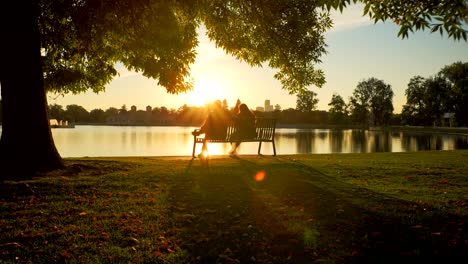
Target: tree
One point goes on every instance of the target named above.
(414, 109)
(72, 46)
(427, 100)
(449, 16)
(338, 109)
(56, 112)
(97, 116)
(76, 113)
(437, 99)
(306, 101)
(123, 110)
(382, 103)
(111, 111)
(456, 75)
(372, 102)
(23, 94)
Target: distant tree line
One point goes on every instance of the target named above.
(429, 100)
(438, 100)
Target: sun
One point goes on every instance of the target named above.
(205, 91)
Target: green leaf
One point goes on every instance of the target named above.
(435, 28)
(366, 9)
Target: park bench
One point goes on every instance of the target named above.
(264, 127)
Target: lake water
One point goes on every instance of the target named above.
(95, 141)
(105, 141)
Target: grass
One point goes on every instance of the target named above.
(332, 208)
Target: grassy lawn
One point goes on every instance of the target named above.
(332, 208)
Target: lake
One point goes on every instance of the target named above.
(96, 141)
(106, 141)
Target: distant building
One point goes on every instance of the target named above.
(54, 123)
(277, 107)
(260, 109)
(448, 119)
(268, 106)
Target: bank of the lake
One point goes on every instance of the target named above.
(461, 130)
(332, 208)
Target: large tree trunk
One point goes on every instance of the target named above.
(26, 144)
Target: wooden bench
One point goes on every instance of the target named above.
(265, 128)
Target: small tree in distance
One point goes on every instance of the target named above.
(338, 109)
(371, 102)
(306, 101)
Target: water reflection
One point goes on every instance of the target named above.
(337, 140)
(97, 141)
(355, 140)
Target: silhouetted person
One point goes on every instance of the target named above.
(235, 109)
(215, 125)
(245, 123)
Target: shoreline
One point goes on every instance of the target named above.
(241, 156)
(462, 130)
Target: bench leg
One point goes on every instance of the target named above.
(194, 144)
(205, 146)
(259, 147)
(274, 148)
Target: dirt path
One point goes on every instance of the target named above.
(288, 217)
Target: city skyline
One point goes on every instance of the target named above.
(132, 107)
(357, 50)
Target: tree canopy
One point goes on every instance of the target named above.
(372, 100)
(443, 16)
(306, 101)
(428, 99)
(338, 108)
(83, 40)
(456, 75)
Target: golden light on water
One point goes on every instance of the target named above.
(260, 176)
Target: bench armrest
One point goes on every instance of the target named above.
(196, 132)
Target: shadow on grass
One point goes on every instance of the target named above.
(289, 212)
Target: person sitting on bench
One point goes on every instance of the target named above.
(245, 123)
(215, 125)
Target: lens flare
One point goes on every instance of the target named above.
(260, 176)
(205, 154)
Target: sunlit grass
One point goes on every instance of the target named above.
(434, 177)
(155, 210)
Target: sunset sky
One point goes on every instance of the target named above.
(357, 50)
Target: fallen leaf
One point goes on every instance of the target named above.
(10, 245)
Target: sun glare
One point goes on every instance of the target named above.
(260, 176)
(205, 91)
